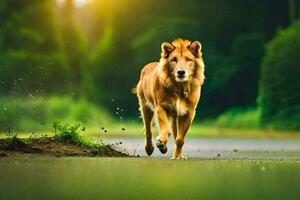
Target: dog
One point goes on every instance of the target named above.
(170, 90)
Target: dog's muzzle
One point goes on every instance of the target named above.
(180, 75)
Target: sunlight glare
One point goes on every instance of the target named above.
(77, 3)
(80, 3)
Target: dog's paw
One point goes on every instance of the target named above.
(162, 146)
(181, 157)
(149, 150)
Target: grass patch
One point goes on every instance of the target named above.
(240, 118)
(197, 129)
(68, 140)
(73, 134)
(13, 143)
(38, 113)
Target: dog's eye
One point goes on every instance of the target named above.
(188, 59)
(174, 60)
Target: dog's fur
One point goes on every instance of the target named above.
(171, 98)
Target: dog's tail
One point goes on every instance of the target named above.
(133, 90)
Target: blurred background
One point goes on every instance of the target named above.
(76, 61)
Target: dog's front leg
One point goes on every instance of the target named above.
(164, 129)
(184, 123)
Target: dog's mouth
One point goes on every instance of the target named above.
(181, 78)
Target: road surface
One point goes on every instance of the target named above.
(210, 148)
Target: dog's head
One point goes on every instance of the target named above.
(182, 59)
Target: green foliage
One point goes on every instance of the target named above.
(12, 142)
(240, 118)
(31, 48)
(72, 134)
(102, 61)
(232, 80)
(25, 114)
(75, 46)
(280, 86)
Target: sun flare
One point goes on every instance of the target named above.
(77, 3)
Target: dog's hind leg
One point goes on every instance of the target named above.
(147, 115)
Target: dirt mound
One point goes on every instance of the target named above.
(54, 147)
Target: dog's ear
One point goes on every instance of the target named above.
(166, 49)
(195, 47)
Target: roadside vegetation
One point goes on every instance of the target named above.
(58, 115)
(68, 140)
(38, 113)
(279, 85)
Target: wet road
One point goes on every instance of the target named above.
(210, 148)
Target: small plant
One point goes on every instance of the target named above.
(72, 134)
(13, 143)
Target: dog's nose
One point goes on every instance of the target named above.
(180, 73)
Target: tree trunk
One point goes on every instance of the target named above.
(276, 15)
(294, 6)
(297, 9)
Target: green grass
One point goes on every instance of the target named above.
(27, 115)
(240, 118)
(250, 118)
(38, 113)
(73, 134)
(198, 129)
(144, 178)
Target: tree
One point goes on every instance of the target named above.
(279, 84)
(75, 47)
(294, 9)
(276, 15)
(31, 57)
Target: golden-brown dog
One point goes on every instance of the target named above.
(170, 90)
